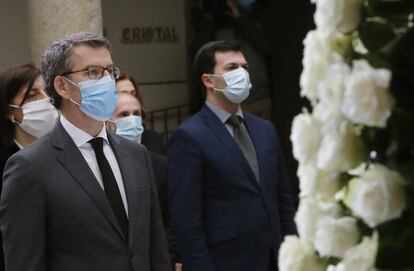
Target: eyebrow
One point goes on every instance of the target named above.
(235, 64)
(34, 88)
(104, 66)
(27, 93)
(92, 66)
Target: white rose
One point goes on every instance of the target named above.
(298, 255)
(309, 212)
(316, 183)
(330, 95)
(339, 15)
(341, 148)
(334, 236)
(332, 88)
(343, 267)
(367, 99)
(317, 56)
(305, 137)
(377, 195)
(359, 258)
(333, 268)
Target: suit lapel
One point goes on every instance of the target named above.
(221, 132)
(71, 159)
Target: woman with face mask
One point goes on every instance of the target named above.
(149, 138)
(26, 112)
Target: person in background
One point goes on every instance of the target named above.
(25, 113)
(251, 24)
(229, 196)
(26, 110)
(80, 198)
(127, 118)
(149, 138)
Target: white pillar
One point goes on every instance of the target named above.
(50, 20)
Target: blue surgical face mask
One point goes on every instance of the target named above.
(237, 85)
(130, 128)
(245, 3)
(98, 97)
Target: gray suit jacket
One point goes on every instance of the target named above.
(55, 216)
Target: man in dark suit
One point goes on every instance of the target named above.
(229, 193)
(81, 198)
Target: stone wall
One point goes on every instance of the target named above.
(50, 20)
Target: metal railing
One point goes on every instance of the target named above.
(165, 120)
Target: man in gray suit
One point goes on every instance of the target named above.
(81, 198)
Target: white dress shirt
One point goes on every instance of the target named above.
(223, 115)
(81, 138)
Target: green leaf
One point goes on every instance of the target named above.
(396, 243)
(402, 122)
(385, 7)
(406, 169)
(377, 61)
(375, 33)
(389, 48)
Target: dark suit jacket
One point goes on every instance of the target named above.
(159, 167)
(159, 164)
(153, 142)
(4, 156)
(55, 216)
(3, 159)
(224, 220)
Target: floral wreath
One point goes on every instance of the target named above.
(355, 144)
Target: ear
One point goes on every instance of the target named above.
(61, 87)
(207, 81)
(15, 115)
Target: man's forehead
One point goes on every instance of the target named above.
(224, 58)
(87, 55)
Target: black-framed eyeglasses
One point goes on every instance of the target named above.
(97, 72)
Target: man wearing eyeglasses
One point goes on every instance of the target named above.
(81, 198)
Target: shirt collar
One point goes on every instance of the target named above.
(79, 136)
(20, 146)
(222, 114)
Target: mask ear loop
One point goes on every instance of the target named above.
(73, 83)
(11, 117)
(217, 75)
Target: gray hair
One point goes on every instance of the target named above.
(56, 59)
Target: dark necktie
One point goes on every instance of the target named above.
(242, 137)
(110, 186)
